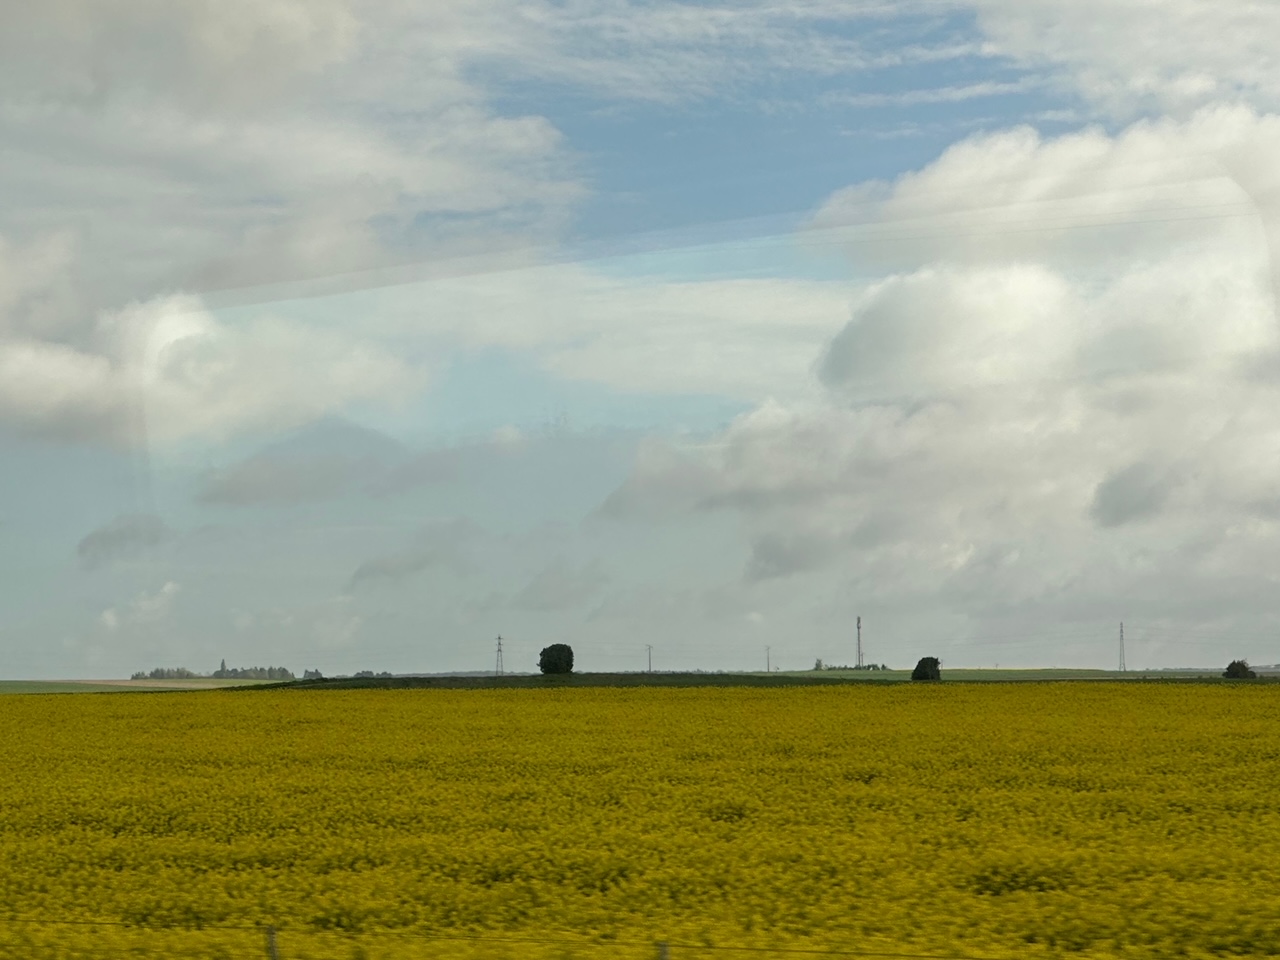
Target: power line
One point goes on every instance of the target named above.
(1024, 226)
(757, 230)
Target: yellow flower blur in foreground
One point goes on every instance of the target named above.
(991, 821)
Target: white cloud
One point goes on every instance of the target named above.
(152, 148)
(149, 607)
(146, 609)
(1151, 495)
(52, 389)
(167, 369)
(1077, 200)
(34, 291)
(201, 377)
(202, 54)
(1026, 424)
(214, 145)
(1136, 55)
(939, 331)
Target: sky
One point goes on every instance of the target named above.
(353, 334)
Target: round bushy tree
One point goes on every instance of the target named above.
(1239, 670)
(929, 668)
(557, 658)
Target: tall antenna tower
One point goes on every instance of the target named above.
(859, 642)
(1122, 666)
(497, 672)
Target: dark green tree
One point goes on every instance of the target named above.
(1239, 670)
(557, 658)
(929, 668)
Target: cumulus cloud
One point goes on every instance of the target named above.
(146, 609)
(1027, 424)
(201, 376)
(167, 369)
(1084, 201)
(125, 536)
(235, 53)
(219, 145)
(995, 501)
(939, 330)
(1190, 52)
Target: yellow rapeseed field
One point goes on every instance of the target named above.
(1000, 820)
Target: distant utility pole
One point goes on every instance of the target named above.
(859, 643)
(649, 649)
(768, 664)
(498, 668)
(1122, 667)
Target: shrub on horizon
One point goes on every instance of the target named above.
(1239, 670)
(929, 668)
(557, 658)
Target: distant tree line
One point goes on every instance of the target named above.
(819, 665)
(165, 673)
(252, 673)
(363, 674)
(236, 673)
